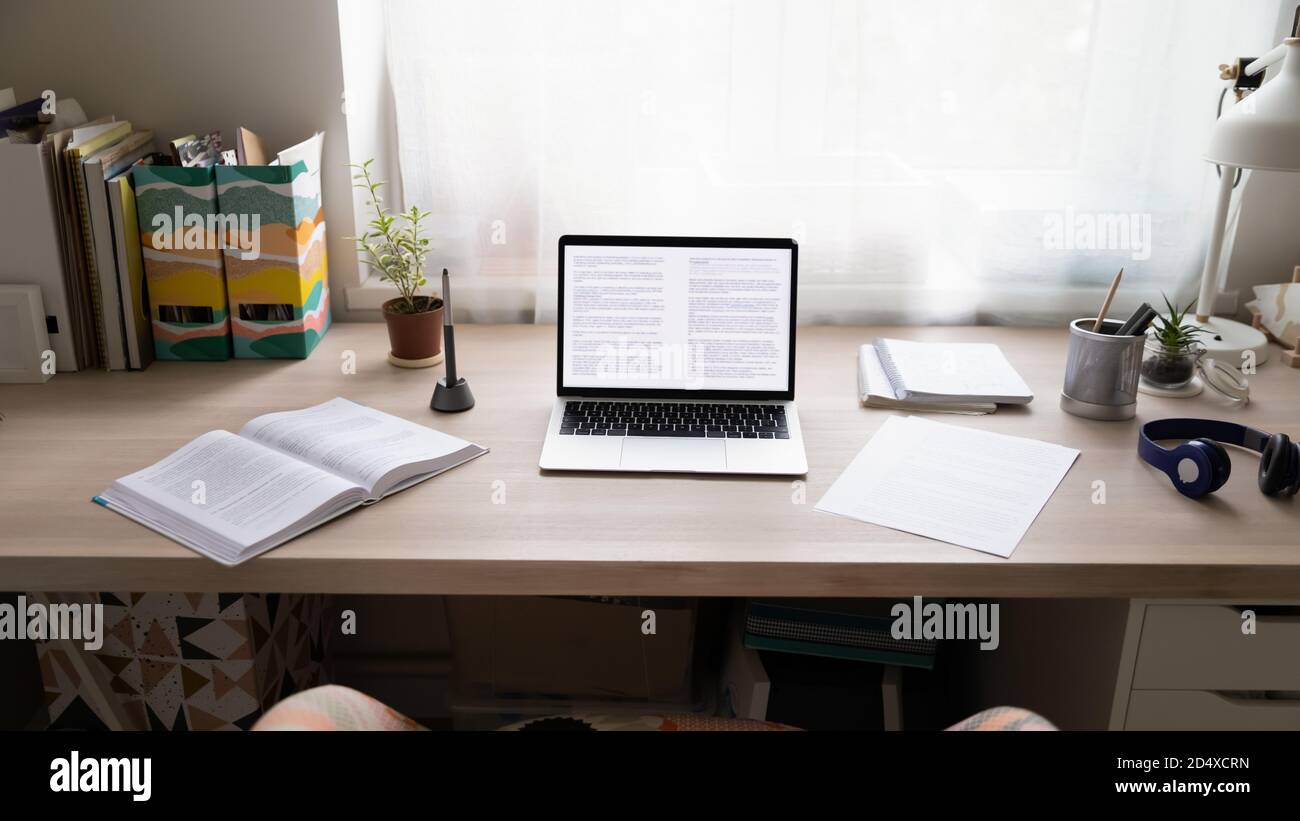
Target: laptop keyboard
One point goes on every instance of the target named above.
(674, 419)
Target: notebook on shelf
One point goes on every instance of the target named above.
(99, 169)
(961, 373)
(233, 496)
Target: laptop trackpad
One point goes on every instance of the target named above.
(652, 453)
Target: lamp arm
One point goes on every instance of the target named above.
(1210, 275)
(1274, 55)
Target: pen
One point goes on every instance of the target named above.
(448, 331)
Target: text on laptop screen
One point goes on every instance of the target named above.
(654, 317)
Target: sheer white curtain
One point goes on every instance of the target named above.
(938, 160)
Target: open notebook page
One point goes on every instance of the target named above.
(376, 450)
(960, 485)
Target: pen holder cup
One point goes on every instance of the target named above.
(1101, 371)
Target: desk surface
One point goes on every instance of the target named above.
(498, 525)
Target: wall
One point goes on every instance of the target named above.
(274, 67)
(278, 69)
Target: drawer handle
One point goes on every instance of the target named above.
(1269, 613)
(1253, 698)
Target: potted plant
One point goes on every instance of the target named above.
(1172, 349)
(395, 248)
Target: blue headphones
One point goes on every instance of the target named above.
(1201, 466)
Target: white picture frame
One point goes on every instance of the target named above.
(25, 353)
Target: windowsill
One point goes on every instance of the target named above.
(502, 299)
(493, 299)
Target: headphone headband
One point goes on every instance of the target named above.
(1229, 433)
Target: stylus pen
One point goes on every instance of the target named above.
(448, 332)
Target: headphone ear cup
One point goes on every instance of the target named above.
(1191, 468)
(1279, 465)
(1220, 463)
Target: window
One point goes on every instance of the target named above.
(937, 160)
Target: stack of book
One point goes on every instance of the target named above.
(943, 377)
(231, 240)
(72, 224)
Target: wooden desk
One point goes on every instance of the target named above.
(498, 525)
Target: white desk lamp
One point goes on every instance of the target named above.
(1262, 132)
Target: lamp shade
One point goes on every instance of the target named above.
(1262, 131)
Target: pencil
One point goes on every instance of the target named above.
(1105, 306)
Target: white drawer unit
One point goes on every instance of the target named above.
(1194, 666)
(1207, 710)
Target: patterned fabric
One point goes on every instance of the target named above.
(1004, 718)
(333, 708)
(591, 722)
(339, 708)
(186, 661)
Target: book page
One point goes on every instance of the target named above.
(353, 441)
(238, 489)
(959, 485)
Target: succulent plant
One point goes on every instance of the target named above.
(1173, 332)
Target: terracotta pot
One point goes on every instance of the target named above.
(414, 336)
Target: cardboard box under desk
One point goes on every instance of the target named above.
(521, 646)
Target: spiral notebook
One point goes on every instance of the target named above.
(876, 391)
(963, 373)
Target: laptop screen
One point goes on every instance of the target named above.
(695, 317)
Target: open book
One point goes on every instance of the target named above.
(231, 497)
(951, 372)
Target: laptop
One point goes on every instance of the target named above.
(676, 354)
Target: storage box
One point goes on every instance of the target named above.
(180, 240)
(508, 646)
(185, 661)
(275, 260)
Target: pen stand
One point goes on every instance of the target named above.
(451, 394)
(1101, 372)
(451, 398)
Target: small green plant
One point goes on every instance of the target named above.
(1172, 332)
(394, 246)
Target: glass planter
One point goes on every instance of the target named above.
(1170, 368)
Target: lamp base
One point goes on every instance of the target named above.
(452, 398)
(1227, 340)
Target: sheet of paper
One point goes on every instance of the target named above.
(960, 485)
(308, 151)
